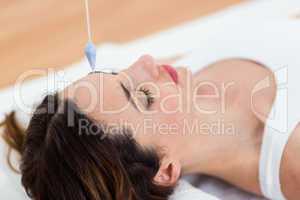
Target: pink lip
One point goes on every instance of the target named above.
(172, 72)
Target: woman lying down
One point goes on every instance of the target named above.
(131, 135)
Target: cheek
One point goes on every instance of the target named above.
(169, 102)
(166, 124)
(168, 116)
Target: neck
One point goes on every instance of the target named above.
(202, 147)
(207, 142)
(207, 149)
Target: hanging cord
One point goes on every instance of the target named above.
(88, 21)
(90, 49)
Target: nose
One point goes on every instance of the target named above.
(147, 64)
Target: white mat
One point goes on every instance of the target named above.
(250, 16)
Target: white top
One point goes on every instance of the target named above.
(279, 50)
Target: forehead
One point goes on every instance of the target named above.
(99, 95)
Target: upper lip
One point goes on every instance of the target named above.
(172, 72)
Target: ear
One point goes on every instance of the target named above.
(168, 173)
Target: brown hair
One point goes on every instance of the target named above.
(60, 161)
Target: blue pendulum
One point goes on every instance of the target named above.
(90, 49)
(91, 54)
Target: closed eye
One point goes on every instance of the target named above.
(149, 96)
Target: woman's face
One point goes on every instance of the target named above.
(147, 98)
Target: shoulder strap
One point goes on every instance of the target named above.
(273, 146)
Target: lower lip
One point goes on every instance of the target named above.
(172, 72)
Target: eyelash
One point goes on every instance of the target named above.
(147, 93)
(149, 96)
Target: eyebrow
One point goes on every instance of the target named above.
(98, 72)
(128, 96)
